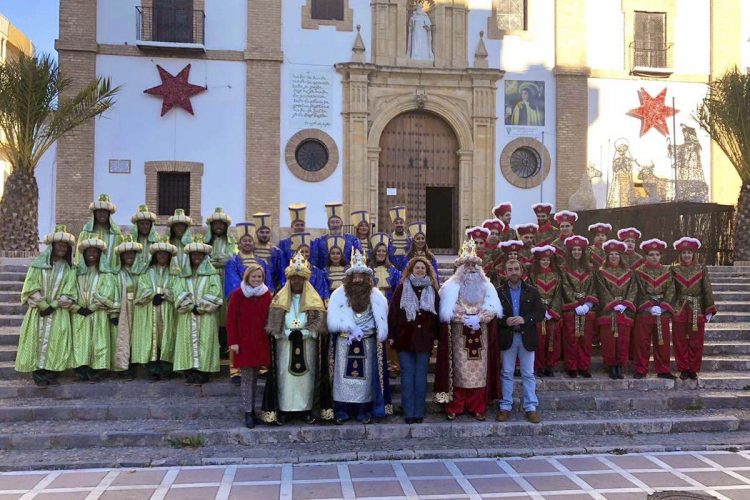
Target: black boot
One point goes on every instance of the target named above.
(572, 373)
(82, 373)
(584, 374)
(668, 376)
(250, 420)
(620, 374)
(40, 378)
(548, 372)
(684, 375)
(693, 375)
(613, 372)
(310, 419)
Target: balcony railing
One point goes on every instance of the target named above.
(651, 61)
(169, 28)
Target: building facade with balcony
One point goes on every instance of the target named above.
(447, 109)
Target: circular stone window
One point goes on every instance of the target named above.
(311, 155)
(525, 162)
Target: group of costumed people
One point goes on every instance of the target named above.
(327, 317)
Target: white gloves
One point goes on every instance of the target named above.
(588, 306)
(656, 311)
(472, 321)
(620, 308)
(709, 317)
(355, 334)
(581, 310)
(547, 316)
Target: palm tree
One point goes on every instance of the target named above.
(35, 111)
(725, 115)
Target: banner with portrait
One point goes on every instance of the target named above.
(524, 103)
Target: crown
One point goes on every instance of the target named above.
(357, 263)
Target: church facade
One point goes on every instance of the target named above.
(445, 106)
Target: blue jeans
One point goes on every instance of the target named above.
(526, 360)
(413, 382)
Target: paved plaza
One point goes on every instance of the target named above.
(723, 475)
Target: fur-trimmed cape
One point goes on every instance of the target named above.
(449, 297)
(341, 315)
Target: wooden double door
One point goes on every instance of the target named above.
(418, 169)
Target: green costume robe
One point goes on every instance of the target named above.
(154, 326)
(45, 343)
(197, 335)
(143, 258)
(92, 338)
(223, 248)
(122, 332)
(110, 260)
(180, 263)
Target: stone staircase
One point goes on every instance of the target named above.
(127, 423)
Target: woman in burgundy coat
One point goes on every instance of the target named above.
(246, 319)
(413, 327)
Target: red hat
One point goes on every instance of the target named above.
(566, 216)
(495, 224)
(600, 227)
(511, 246)
(687, 243)
(478, 233)
(654, 244)
(523, 229)
(543, 251)
(542, 208)
(614, 246)
(499, 210)
(628, 233)
(576, 241)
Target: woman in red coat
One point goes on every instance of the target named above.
(246, 319)
(413, 327)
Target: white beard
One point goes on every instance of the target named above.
(471, 290)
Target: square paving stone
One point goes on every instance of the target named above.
(378, 489)
(715, 478)
(437, 487)
(682, 461)
(606, 481)
(316, 490)
(257, 474)
(485, 485)
(569, 496)
(525, 466)
(315, 472)
(196, 476)
(139, 477)
(661, 479)
(10, 496)
(582, 464)
(79, 495)
(20, 481)
(264, 492)
(140, 494)
(631, 463)
(728, 459)
(422, 469)
(552, 483)
(199, 493)
(741, 494)
(480, 468)
(371, 470)
(77, 480)
(625, 496)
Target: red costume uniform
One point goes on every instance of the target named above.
(549, 284)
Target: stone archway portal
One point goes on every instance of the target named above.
(418, 167)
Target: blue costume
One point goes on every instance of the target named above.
(235, 270)
(318, 279)
(319, 249)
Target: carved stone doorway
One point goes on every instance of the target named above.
(419, 152)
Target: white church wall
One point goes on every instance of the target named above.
(609, 122)
(605, 35)
(45, 174)
(225, 23)
(692, 37)
(314, 52)
(133, 130)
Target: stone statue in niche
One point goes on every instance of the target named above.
(419, 42)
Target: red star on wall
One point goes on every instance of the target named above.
(653, 112)
(175, 90)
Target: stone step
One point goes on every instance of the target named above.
(13, 268)
(12, 309)
(9, 337)
(732, 316)
(732, 295)
(726, 348)
(729, 278)
(11, 320)
(7, 353)
(730, 287)
(11, 286)
(41, 434)
(732, 306)
(10, 297)
(186, 408)
(13, 276)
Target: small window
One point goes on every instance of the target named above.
(650, 42)
(525, 162)
(173, 21)
(173, 192)
(511, 15)
(327, 10)
(311, 155)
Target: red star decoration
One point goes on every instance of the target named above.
(175, 90)
(653, 112)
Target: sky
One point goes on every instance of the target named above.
(38, 19)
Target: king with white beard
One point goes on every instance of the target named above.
(468, 357)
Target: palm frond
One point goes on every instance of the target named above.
(725, 115)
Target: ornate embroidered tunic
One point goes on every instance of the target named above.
(597, 256)
(296, 361)
(616, 286)
(549, 285)
(154, 326)
(92, 337)
(655, 288)
(354, 363)
(577, 289)
(694, 296)
(546, 234)
(335, 276)
(633, 260)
